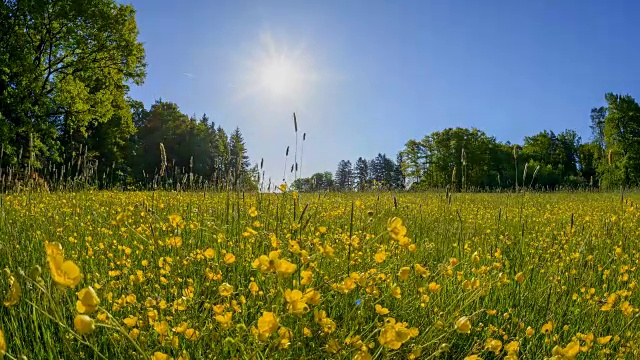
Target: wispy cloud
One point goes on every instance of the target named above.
(188, 75)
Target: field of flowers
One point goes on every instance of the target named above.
(142, 275)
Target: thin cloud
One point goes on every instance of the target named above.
(188, 75)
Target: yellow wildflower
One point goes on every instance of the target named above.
(160, 356)
(14, 292)
(64, 272)
(312, 297)
(3, 344)
(396, 292)
(209, 253)
(362, 355)
(174, 241)
(284, 337)
(307, 277)
(267, 324)
(433, 287)
(83, 324)
(463, 325)
(567, 353)
(472, 357)
(493, 345)
(530, 331)
(253, 287)
(225, 289)
(130, 321)
(381, 310)
(284, 267)
(161, 327)
(229, 258)
(253, 212)
(394, 334)
(175, 220)
(296, 303)
(421, 270)
(225, 320)
(404, 273)
(611, 300)
(87, 301)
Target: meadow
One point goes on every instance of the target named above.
(201, 275)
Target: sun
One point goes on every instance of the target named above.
(277, 72)
(279, 76)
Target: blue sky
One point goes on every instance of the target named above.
(366, 76)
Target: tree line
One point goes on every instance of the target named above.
(380, 172)
(469, 159)
(66, 68)
(170, 145)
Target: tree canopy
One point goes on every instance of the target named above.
(66, 67)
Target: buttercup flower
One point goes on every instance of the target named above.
(83, 324)
(87, 301)
(64, 272)
(463, 325)
(14, 292)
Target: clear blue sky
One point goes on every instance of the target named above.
(366, 76)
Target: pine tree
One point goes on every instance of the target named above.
(397, 178)
(344, 175)
(362, 174)
(238, 160)
(221, 158)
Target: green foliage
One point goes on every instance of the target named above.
(556, 154)
(316, 182)
(478, 160)
(589, 154)
(344, 175)
(65, 69)
(361, 174)
(469, 159)
(621, 134)
(377, 173)
(193, 149)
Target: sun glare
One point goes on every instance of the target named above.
(279, 76)
(277, 72)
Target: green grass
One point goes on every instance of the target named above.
(573, 250)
